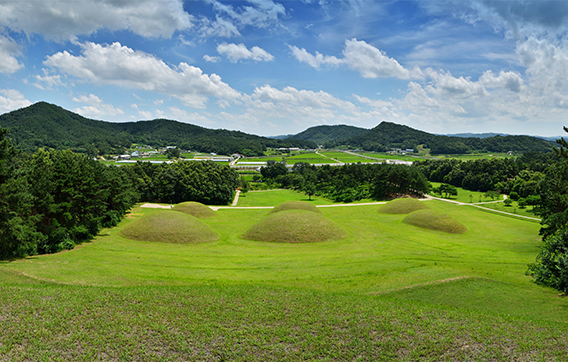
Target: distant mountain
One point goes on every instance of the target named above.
(47, 125)
(389, 135)
(475, 135)
(487, 135)
(281, 137)
(325, 134)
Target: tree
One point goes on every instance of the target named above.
(514, 196)
(491, 194)
(551, 266)
(173, 152)
(508, 202)
(309, 188)
(522, 203)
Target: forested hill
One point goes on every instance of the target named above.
(50, 126)
(325, 134)
(390, 135)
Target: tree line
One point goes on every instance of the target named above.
(350, 182)
(52, 200)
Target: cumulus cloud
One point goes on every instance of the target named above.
(122, 66)
(47, 82)
(373, 103)
(315, 61)
(372, 62)
(360, 56)
(449, 86)
(302, 97)
(11, 99)
(95, 107)
(211, 59)
(64, 19)
(508, 80)
(237, 52)
(8, 52)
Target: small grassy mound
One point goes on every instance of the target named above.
(169, 227)
(435, 220)
(295, 205)
(295, 226)
(196, 209)
(402, 206)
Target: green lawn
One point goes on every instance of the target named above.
(275, 197)
(389, 291)
(346, 157)
(463, 195)
(513, 209)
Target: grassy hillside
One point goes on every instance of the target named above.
(325, 134)
(388, 291)
(389, 135)
(47, 125)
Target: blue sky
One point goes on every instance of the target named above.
(278, 67)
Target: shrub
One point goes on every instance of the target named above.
(551, 266)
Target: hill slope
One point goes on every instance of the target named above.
(324, 134)
(389, 135)
(47, 125)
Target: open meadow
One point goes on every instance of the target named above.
(385, 290)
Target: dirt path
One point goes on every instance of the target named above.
(236, 200)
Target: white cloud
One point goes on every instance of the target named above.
(301, 98)
(260, 13)
(373, 63)
(47, 82)
(237, 52)
(119, 65)
(11, 99)
(546, 62)
(448, 86)
(95, 107)
(211, 59)
(65, 19)
(362, 57)
(220, 28)
(375, 104)
(508, 80)
(315, 61)
(8, 51)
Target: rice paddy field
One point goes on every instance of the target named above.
(385, 290)
(311, 158)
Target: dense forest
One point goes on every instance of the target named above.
(390, 135)
(327, 134)
(53, 199)
(50, 126)
(349, 182)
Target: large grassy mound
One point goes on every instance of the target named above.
(295, 226)
(402, 206)
(196, 209)
(295, 205)
(435, 220)
(169, 227)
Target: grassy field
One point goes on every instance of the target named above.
(463, 195)
(388, 291)
(346, 157)
(275, 197)
(311, 158)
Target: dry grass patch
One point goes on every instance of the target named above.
(196, 209)
(295, 226)
(435, 220)
(402, 206)
(169, 227)
(295, 205)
